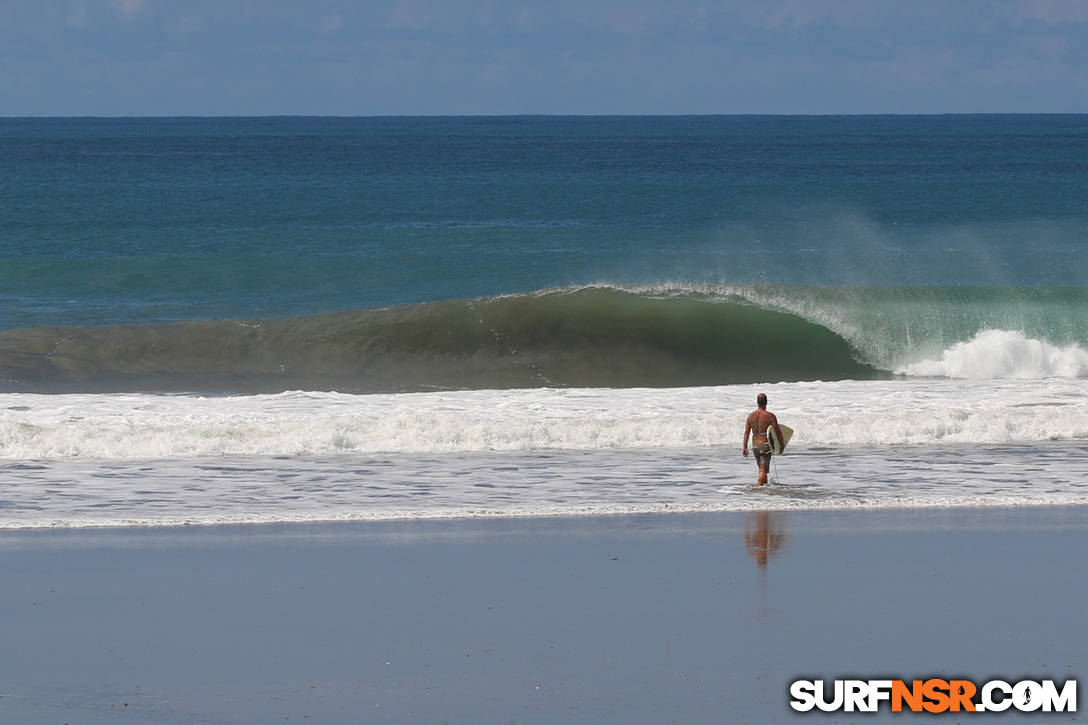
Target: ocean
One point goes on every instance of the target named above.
(234, 320)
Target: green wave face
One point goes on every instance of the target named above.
(602, 336)
(890, 327)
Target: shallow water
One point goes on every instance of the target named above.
(257, 489)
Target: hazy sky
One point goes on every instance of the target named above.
(391, 57)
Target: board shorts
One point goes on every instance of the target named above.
(762, 454)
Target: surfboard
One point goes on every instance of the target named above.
(787, 433)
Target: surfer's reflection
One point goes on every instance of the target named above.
(764, 535)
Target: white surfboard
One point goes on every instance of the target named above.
(776, 446)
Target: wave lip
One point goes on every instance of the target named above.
(1004, 354)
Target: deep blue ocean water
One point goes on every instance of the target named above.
(139, 220)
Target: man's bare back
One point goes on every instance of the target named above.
(759, 420)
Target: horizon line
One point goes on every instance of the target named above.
(538, 115)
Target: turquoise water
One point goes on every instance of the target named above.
(868, 244)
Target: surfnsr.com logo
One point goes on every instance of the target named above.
(934, 695)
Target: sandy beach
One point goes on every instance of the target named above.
(691, 618)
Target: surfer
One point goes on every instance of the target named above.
(759, 420)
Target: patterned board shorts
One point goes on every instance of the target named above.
(762, 454)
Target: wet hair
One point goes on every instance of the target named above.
(761, 399)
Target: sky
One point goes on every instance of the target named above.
(467, 57)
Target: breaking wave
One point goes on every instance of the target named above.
(600, 336)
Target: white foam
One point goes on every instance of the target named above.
(85, 493)
(843, 413)
(361, 515)
(1004, 354)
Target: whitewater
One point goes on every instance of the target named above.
(826, 414)
(141, 459)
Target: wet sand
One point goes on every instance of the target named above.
(686, 618)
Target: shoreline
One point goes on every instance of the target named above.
(467, 518)
(636, 619)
